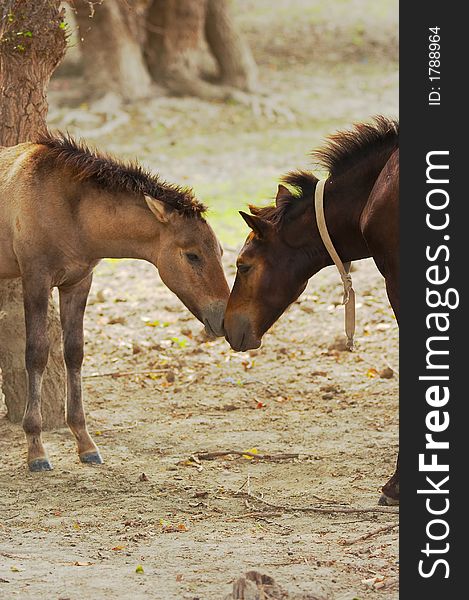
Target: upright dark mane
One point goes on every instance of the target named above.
(116, 176)
(342, 151)
(345, 149)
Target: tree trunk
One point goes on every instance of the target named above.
(235, 61)
(112, 55)
(32, 43)
(175, 30)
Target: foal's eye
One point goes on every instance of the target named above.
(192, 257)
(242, 268)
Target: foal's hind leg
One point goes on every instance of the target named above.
(36, 301)
(72, 309)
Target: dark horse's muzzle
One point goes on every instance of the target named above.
(239, 333)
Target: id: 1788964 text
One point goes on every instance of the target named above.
(434, 64)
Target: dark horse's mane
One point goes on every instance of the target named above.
(114, 175)
(343, 150)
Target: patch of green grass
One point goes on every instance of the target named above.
(226, 198)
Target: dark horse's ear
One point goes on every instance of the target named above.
(283, 195)
(260, 227)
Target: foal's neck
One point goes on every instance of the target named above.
(119, 226)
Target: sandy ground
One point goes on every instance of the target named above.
(81, 532)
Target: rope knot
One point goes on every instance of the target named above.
(347, 283)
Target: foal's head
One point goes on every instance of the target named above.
(189, 263)
(179, 242)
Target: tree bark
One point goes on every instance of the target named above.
(175, 30)
(32, 44)
(112, 54)
(233, 55)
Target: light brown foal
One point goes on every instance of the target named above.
(63, 208)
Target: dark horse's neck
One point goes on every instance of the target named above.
(345, 197)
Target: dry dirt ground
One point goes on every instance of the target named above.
(81, 532)
(158, 392)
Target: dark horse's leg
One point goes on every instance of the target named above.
(390, 491)
(72, 309)
(380, 227)
(36, 290)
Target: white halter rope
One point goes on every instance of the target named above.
(343, 268)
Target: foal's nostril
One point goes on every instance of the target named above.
(213, 319)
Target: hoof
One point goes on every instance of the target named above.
(40, 464)
(91, 458)
(387, 501)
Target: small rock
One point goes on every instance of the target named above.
(331, 387)
(386, 373)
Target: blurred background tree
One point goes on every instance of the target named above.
(127, 44)
(32, 44)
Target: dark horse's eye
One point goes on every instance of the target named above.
(243, 268)
(192, 257)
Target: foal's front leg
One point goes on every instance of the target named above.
(36, 292)
(72, 309)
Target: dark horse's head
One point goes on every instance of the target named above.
(274, 264)
(285, 248)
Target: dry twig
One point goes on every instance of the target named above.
(366, 536)
(318, 509)
(218, 454)
(126, 373)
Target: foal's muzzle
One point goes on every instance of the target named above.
(212, 318)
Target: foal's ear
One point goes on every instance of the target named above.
(283, 195)
(158, 208)
(260, 227)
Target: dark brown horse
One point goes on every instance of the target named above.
(285, 248)
(62, 209)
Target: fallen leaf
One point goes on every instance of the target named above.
(152, 323)
(372, 373)
(251, 451)
(117, 321)
(139, 569)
